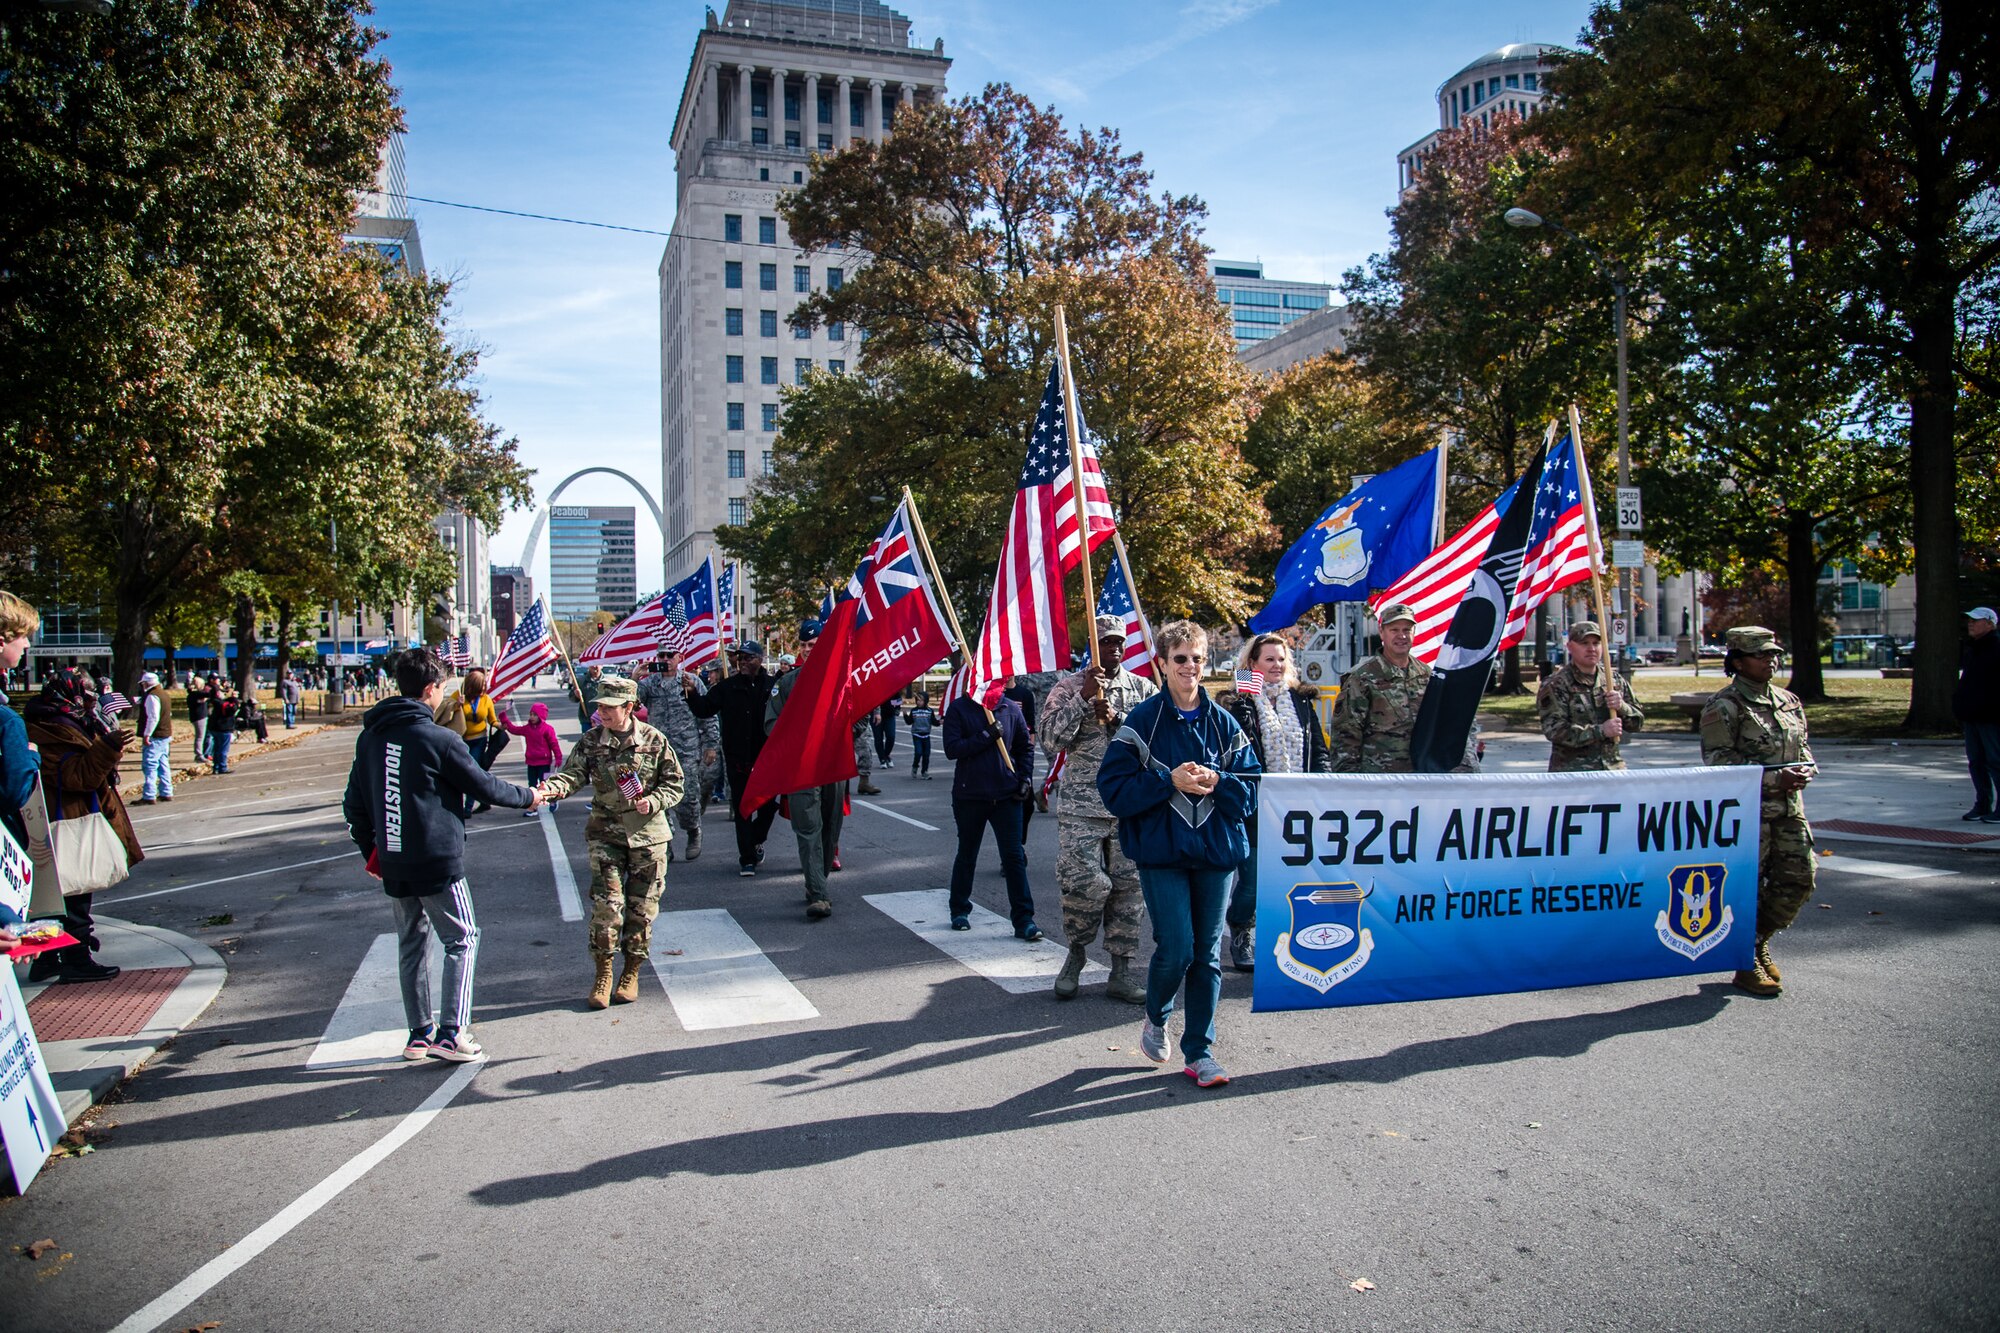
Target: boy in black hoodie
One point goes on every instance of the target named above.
(409, 780)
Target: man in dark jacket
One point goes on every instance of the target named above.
(409, 780)
(1976, 704)
(989, 740)
(738, 702)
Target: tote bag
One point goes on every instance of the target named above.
(89, 853)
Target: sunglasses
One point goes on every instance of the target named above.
(1182, 659)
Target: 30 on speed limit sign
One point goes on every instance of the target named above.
(1630, 519)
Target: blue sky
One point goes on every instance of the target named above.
(1285, 116)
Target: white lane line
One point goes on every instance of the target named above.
(721, 979)
(198, 1283)
(989, 948)
(885, 810)
(238, 805)
(368, 1025)
(267, 870)
(1855, 865)
(566, 895)
(245, 832)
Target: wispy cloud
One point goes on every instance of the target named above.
(1194, 20)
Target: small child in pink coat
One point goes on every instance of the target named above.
(543, 750)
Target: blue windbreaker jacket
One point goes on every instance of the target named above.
(1159, 825)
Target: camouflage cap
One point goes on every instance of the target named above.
(1751, 639)
(1110, 627)
(617, 690)
(1585, 629)
(1394, 612)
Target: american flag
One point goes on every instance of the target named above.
(110, 705)
(1116, 598)
(528, 649)
(725, 603)
(1434, 588)
(633, 639)
(1249, 682)
(1558, 543)
(960, 683)
(687, 618)
(457, 653)
(1026, 627)
(672, 631)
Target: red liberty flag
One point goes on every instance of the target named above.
(886, 629)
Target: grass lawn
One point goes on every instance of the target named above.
(1853, 708)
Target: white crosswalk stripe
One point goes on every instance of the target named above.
(1855, 865)
(720, 978)
(368, 1024)
(989, 948)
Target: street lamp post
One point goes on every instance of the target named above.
(1521, 217)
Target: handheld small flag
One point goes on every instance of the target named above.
(1250, 682)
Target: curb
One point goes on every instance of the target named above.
(129, 791)
(84, 1072)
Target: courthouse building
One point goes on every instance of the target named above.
(771, 83)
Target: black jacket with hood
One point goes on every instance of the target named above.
(404, 764)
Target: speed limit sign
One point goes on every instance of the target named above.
(1621, 629)
(1629, 517)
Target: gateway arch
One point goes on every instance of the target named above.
(542, 515)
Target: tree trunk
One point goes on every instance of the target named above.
(1934, 488)
(167, 647)
(243, 629)
(1802, 606)
(128, 641)
(284, 636)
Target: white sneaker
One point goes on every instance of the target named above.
(1207, 1073)
(460, 1047)
(1153, 1041)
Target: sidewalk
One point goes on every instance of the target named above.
(187, 768)
(94, 1034)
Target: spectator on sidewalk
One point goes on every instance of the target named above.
(80, 775)
(471, 714)
(290, 693)
(403, 815)
(250, 714)
(223, 707)
(990, 742)
(156, 729)
(1976, 704)
(542, 747)
(199, 701)
(18, 763)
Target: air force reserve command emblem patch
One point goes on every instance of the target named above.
(1326, 944)
(1343, 554)
(1696, 919)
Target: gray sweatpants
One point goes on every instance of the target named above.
(449, 914)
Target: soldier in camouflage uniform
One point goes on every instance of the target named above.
(627, 835)
(1099, 883)
(864, 758)
(1581, 717)
(696, 740)
(1752, 721)
(816, 811)
(1378, 701)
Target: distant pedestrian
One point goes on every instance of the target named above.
(223, 709)
(989, 741)
(290, 692)
(409, 779)
(18, 763)
(79, 776)
(198, 703)
(1751, 721)
(250, 714)
(1976, 704)
(883, 725)
(1176, 777)
(542, 747)
(156, 731)
(922, 719)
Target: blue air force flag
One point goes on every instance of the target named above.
(1366, 539)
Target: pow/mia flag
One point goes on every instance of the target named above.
(1465, 662)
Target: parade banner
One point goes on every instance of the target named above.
(1377, 888)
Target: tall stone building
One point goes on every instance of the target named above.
(771, 83)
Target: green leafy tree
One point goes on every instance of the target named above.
(978, 217)
(1878, 126)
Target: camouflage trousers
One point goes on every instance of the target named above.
(1100, 885)
(625, 888)
(688, 812)
(864, 754)
(1785, 872)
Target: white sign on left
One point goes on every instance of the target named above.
(31, 1119)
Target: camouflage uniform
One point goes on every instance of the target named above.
(667, 712)
(1748, 723)
(1373, 717)
(1099, 883)
(1574, 712)
(628, 850)
(864, 752)
(816, 813)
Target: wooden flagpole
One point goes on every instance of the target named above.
(1596, 549)
(931, 567)
(555, 637)
(1132, 586)
(1437, 509)
(1076, 464)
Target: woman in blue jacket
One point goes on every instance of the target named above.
(1174, 776)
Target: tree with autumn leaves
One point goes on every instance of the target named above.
(197, 377)
(978, 217)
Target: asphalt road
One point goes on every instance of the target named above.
(935, 1151)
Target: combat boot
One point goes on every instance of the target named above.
(1764, 959)
(1756, 982)
(1071, 975)
(693, 851)
(600, 990)
(868, 788)
(1125, 984)
(628, 980)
